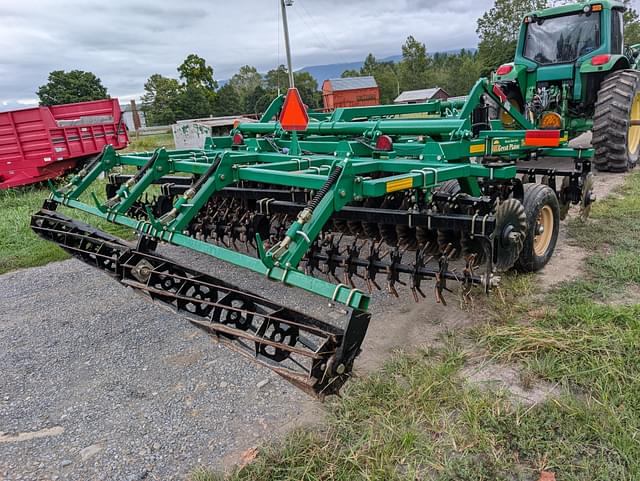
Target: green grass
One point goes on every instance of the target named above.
(420, 419)
(589, 341)
(20, 247)
(144, 143)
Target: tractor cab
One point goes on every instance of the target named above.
(556, 44)
(563, 55)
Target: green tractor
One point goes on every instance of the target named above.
(573, 72)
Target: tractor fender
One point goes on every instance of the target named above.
(517, 73)
(616, 62)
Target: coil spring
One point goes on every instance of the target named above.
(333, 177)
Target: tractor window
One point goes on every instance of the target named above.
(617, 39)
(562, 39)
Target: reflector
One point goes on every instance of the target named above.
(294, 113)
(499, 93)
(542, 138)
(600, 59)
(384, 143)
(504, 69)
(550, 120)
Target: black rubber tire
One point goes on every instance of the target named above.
(611, 122)
(448, 187)
(536, 196)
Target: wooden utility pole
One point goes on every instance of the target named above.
(135, 115)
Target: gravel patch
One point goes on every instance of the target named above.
(98, 383)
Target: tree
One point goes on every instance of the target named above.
(194, 102)
(246, 81)
(370, 65)
(69, 87)
(388, 82)
(350, 73)
(227, 101)
(198, 94)
(257, 101)
(277, 80)
(456, 73)
(631, 24)
(195, 71)
(160, 100)
(308, 88)
(499, 28)
(413, 67)
(468, 74)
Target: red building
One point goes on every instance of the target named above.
(350, 92)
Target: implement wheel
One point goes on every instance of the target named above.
(543, 219)
(616, 122)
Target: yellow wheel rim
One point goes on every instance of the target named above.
(507, 120)
(544, 231)
(633, 139)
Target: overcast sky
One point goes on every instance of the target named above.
(125, 41)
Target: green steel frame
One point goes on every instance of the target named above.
(336, 156)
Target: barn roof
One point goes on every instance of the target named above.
(416, 95)
(352, 83)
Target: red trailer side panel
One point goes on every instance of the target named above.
(44, 142)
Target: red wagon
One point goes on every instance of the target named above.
(42, 143)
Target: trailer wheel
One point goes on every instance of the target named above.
(616, 122)
(543, 220)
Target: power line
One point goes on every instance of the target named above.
(326, 42)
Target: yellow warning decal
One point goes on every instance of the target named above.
(400, 184)
(564, 138)
(476, 149)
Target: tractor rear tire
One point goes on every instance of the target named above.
(615, 139)
(543, 222)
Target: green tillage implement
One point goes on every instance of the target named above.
(362, 193)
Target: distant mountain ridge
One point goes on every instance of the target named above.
(334, 70)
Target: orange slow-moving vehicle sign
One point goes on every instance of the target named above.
(294, 113)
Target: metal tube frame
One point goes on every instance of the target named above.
(425, 153)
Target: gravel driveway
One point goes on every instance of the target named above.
(98, 383)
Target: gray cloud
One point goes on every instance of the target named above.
(124, 41)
